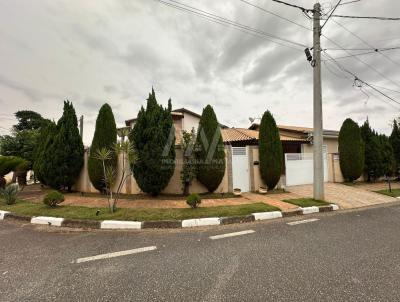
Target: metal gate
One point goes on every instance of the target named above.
(299, 168)
(240, 169)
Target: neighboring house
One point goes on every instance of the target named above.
(297, 152)
(184, 120)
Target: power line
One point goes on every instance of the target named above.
(360, 54)
(392, 90)
(293, 5)
(354, 49)
(333, 10)
(363, 62)
(349, 2)
(366, 17)
(356, 78)
(274, 14)
(365, 42)
(221, 20)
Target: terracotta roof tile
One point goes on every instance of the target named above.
(243, 134)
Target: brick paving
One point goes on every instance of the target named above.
(346, 197)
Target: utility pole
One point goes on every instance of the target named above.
(318, 129)
(81, 126)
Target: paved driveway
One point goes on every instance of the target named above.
(346, 197)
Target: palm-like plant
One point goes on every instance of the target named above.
(104, 155)
(126, 150)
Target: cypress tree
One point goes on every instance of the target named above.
(153, 137)
(210, 151)
(351, 150)
(105, 136)
(388, 165)
(395, 142)
(270, 150)
(66, 152)
(372, 163)
(46, 137)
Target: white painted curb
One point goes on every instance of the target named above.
(189, 223)
(2, 214)
(267, 215)
(117, 224)
(54, 221)
(310, 210)
(334, 207)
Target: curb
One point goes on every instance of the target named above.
(163, 224)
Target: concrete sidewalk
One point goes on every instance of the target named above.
(346, 197)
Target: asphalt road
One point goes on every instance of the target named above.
(343, 256)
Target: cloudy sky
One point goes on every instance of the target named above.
(114, 51)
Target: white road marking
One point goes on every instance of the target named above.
(302, 221)
(231, 234)
(116, 254)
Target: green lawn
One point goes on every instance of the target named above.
(36, 209)
(307, 202)
(394, 193)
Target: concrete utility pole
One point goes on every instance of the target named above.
(81, 125)
(318, 130)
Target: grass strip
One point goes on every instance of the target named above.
(79, 212)
(307, 202)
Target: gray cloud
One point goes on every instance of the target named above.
(115, 51)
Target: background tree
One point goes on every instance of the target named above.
(395, 142)
(270, 150)
(351, 150)
(188, 172)
(153, 137)
(210, 151)
(388, 165)
(66, 152)
(24, 138)
(28, 120)
(105, 136)
(373, 160)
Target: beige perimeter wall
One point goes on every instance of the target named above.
(174, 186)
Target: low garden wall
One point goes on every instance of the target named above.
(174, 186)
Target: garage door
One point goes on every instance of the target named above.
(299, 168)
(240, 169)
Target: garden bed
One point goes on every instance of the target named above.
(307, 202)
(79, 212)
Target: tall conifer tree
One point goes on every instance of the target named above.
(210, 150)
(153, 137)
(105, 136)
(270, 150)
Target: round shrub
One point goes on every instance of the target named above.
(193, 200)
(53, 198)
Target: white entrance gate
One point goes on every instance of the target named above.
(240, 169)
(299, 168)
